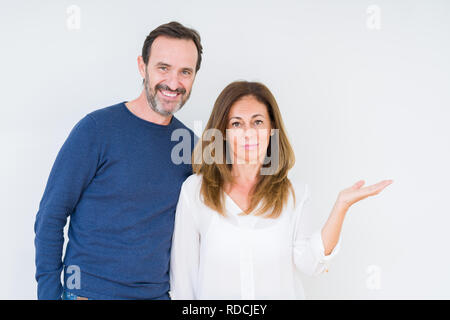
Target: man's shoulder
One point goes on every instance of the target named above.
(107, 113)
(177, 124)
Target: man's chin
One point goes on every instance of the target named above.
(168, 111)
(165, 108)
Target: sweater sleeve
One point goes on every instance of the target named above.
(74, 168)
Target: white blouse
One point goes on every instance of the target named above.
(242, 257)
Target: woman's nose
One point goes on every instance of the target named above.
(250, 133)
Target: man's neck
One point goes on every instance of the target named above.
(140, 108)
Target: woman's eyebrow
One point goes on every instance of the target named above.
(253, 116)
(256, 115)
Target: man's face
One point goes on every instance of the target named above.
(169, 74)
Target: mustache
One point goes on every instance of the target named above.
(166, 88)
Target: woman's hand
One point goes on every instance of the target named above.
(355, 193)
(332, 228)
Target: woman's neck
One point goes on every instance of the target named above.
(245, 174)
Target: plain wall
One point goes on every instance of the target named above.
(363, 87)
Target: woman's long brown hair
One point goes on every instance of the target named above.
(271, 190)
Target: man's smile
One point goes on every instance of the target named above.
(169, 95)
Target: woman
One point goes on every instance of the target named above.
(239, 226)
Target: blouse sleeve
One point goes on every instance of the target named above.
(309, 251)
(184, 261)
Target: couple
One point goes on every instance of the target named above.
(143, 226)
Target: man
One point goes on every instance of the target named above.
(115, 178)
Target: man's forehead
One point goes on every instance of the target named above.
(174, 52)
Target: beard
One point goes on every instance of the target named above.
(156, 104)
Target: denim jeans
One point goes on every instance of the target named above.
(70, 296)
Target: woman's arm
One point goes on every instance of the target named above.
(347, 197)
(332, 228)
(185, 252)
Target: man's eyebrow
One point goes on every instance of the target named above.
(163, 64)
(188, 69)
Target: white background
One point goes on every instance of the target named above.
(358, 103)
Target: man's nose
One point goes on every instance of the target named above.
(173, 81)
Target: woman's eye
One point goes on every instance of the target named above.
(235, 124)
(258, 122)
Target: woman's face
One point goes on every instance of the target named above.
(248, 131)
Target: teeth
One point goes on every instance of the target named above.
(167, 94)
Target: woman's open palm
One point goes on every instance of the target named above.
(356, 192)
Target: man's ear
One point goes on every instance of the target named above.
(141, 66)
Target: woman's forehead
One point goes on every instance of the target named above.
(247, 106)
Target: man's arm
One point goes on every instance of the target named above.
(73, 170)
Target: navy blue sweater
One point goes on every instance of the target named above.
(114, 176)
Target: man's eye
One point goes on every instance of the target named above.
(163, 68)
(186, 72)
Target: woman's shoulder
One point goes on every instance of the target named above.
(192, 184)
(300, 187)
(193, 179)
(301, 191)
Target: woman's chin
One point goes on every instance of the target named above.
(248, 160)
